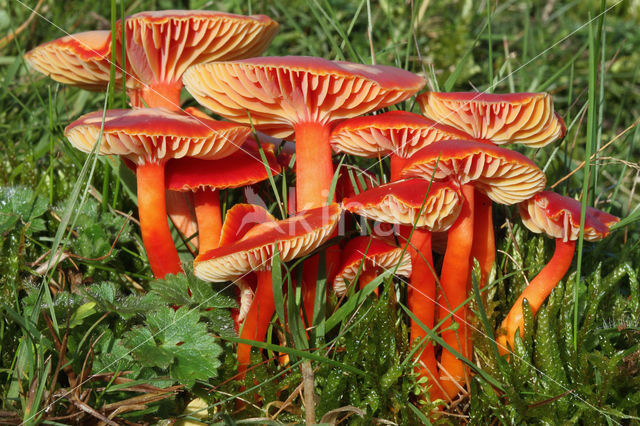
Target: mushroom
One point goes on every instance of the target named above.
(82, 60)
(204, 178)
(558, 217)
(305, 95)
(526, 118)
(364, 257)
(161, 45)
(149, 137)
(294, 237)
(397, 134)
(281, 95)
(430, 206)
(506, 177)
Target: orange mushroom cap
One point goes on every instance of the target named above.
(243, 167)
(161, 45)
(156, 134)
(401, 201)
(294, 237)
(240, 219)
(559, 217)
(526, 118)
(81, 60)
(370, 253)
(282, 91)
(506, 176)
(400, 133)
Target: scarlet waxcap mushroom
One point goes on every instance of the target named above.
(558, 217)
(401, 202)
(295, 236)
(430, 206)
(526, 118)
(82, 60)
(280, 95)
(398, 134)
(506, 176)
(203, 177)
(149, 137)
(161, 45)
(366, 257)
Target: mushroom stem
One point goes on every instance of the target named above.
(314, 170)
(180, 211)
(396, 163)
(536, 292)
(453, 279)
(257, 321)
(161, 95)
(366, 276)
(154, 226)
(207, 206)
(421, 296)
(483, 249)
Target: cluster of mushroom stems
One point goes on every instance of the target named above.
(447, 168)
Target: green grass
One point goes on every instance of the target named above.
(94, 327)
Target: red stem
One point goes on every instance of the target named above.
(454, 278)
(366, 276)
(207, 206)
(314, 170)
(536, 292)
(154, 226)
(165, 95)
(257, 321)
(483, 249)
(421, 296)
(396, 163)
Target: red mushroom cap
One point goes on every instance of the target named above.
(282, 91)
(559, 217)
(527, 118)
(240, 219)
(294, 237)
(400, 202)
(506, 176)
(371, 253)
(156, 134)
(395, 132)
(81, 60)
(161, 45)
(243, 167)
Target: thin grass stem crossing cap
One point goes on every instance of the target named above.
(559, 217)
(399, 133)
(161, 45)
(506, 176)
(82, 60)
(365, 253)
(401, 202)
(280, 92)
(526, 118)
(156, 134)
(294, 237)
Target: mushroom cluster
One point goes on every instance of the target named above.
(447, 167)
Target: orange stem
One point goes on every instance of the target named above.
(396, 162)
(314, 170)
(154, 226)
(207, 206)
(180, 211)
(536, 292)
(421, 296)
(484, 248)
(257, 321)
(165, 95)
(454, 278)
(366, 276)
